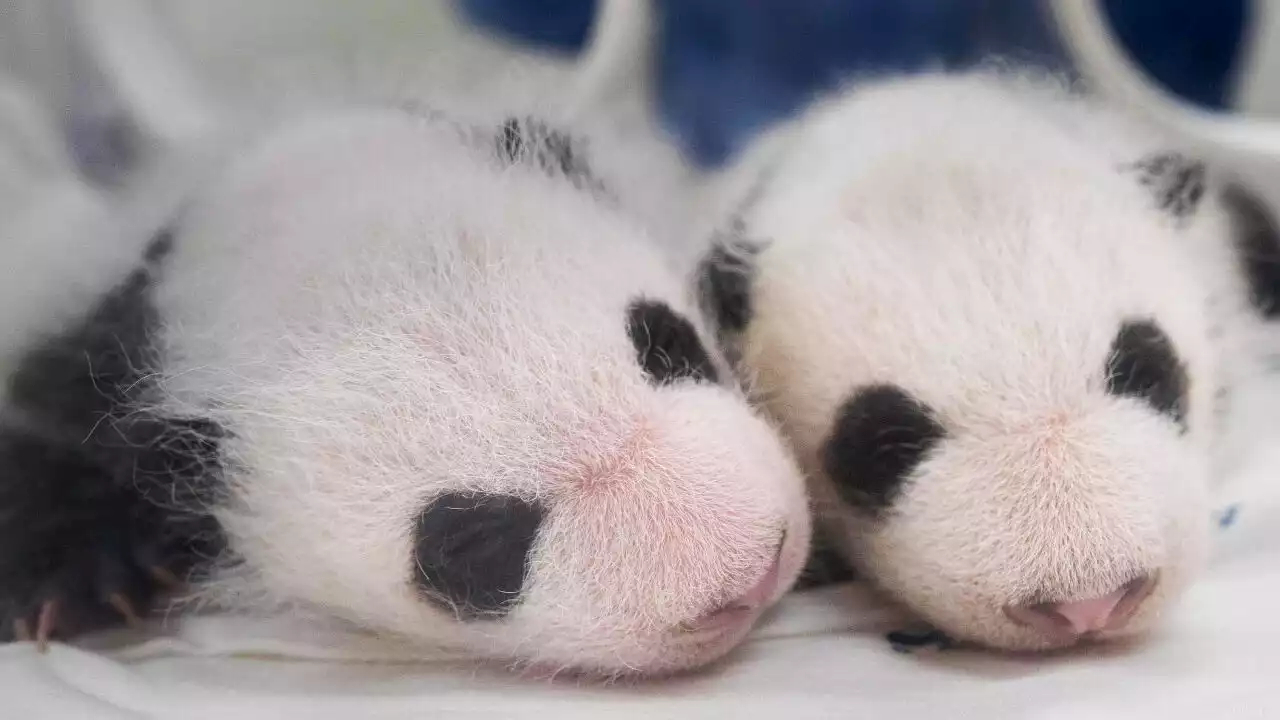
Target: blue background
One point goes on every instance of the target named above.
(729, 67)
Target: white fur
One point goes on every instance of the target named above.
(379, 313)
(972, 239)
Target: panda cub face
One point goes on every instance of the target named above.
(989, 340)
(469, 405)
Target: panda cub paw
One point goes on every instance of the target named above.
(80, 553)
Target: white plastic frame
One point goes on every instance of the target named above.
(1108, 68)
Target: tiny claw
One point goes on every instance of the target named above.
(45, 625)
(21, 630)
(165, 578)
(125, 608)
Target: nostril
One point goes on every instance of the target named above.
(1088, 615)
(1136, 592)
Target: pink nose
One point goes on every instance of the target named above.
(743, 607)
(1075, 618)
(1088, 615)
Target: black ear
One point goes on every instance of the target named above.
(881, 434)
(529, 138)
(471, 551)
(725, 276)
(1143, 364)
(1257, 241)
(667, 345)
(1176, 182)
(556, 152)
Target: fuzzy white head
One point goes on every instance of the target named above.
(987, 321)
(468, 403)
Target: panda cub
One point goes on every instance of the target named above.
(419, 372)
(999, 325)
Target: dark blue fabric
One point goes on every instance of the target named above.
(560, 24)
(730, 67)
(1189, 46)
(727, 68)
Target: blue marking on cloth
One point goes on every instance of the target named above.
(1226, 517)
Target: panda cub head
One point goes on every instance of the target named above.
(468, 404)
(986, 315)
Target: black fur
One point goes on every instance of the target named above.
(727, 273)
(724, 282)
(881, 435)
(77, 380)
(89, 488)
(1257, 241)
(1143, 364)
(667, 345)
(472, 551)
(1177, 182)
(555, 151)
(825, 565)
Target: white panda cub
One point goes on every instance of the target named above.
(995, 320)
(464, 401)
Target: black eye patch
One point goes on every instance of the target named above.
(1142, 364)
(880, 435)
(471, 551)
(667, 345)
